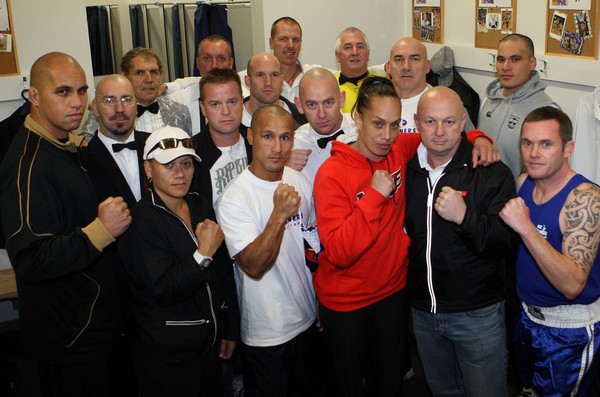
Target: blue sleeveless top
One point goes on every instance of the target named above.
(532, 286)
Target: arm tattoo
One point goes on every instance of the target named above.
(582, 234)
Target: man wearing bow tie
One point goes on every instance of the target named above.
(143, 69)
(320, 101)
(352, 53)
(113, 157)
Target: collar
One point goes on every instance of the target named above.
(72, 145)
(353, 80)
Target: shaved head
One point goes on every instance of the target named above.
(262, 115)
(440, 93)
(43, 68)
(320, 75)
(58, 93)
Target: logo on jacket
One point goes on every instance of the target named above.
(397, 181)
(397, 175)
(513, 121)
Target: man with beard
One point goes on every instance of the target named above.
(113, 157)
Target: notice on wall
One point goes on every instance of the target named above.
(570, 4)
(427, 3)
(4, 25)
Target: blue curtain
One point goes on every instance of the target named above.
(210, 19)
(136, 16)
(177, 50)
(99, 35)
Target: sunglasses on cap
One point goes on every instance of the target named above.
(172, 143)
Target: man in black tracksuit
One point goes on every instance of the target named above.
(56, 232)
(458, 253)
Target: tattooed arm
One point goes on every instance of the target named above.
(568, 270)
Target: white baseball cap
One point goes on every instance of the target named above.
(168, 143)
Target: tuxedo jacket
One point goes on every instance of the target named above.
(106, 174)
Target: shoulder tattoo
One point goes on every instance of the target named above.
(582, 213)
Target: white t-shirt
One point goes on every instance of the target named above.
(409, 108)
(282, 304)
(306, 138)
(232, 162)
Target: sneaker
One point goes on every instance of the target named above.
(409, 374)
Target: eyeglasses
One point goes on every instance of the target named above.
(172, 143)
(112, 101)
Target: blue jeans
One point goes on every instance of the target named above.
(463, 354)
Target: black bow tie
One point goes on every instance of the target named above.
(117, 147)
(354, 80)
(322, 142)
(153, 108)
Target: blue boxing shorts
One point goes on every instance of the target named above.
(556, 347)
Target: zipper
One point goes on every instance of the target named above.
(187, 322)
(430, 193)
(89, 320)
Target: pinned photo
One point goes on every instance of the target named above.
(492, 21)
(427, 34)
(420, 2)
(486, 3)
(437, 18)
(582, 24)
(572, 42)
(571, 4)
(417, 19)
(5, 42)
(481, 18)
(557, 27)
(559, 3)
(507, 16)
(426, 19)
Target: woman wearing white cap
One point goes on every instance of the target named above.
(183, 300)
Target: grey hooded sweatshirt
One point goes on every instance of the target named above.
(501, 117)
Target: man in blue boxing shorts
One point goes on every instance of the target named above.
(557, 215)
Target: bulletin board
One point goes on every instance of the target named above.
(428, 21)
(8, 50)
(572, 28)
(495, 20)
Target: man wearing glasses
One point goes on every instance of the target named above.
(113, 157)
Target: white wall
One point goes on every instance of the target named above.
(322, 21)
(42, 26)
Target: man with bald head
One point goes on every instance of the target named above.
(56, 232)
(320, 101)
(265, 80)
(113, 157)
(458, 254)
(265, 214)
(407, 68)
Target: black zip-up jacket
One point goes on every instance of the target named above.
(456, 268)
(67, 291)
(182, 310)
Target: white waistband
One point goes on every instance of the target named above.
(564, 316)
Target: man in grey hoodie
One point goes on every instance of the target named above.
(516, 92)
